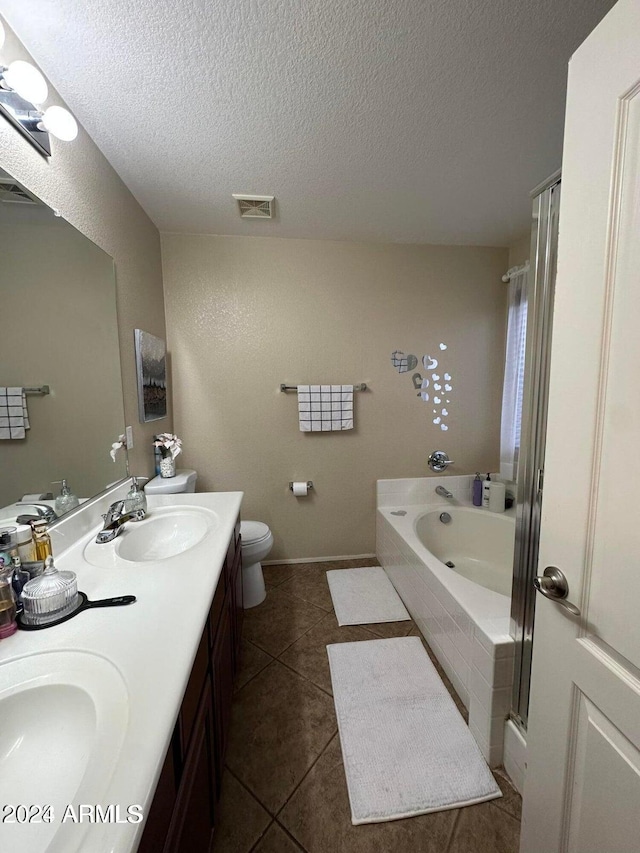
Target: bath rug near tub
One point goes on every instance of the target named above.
(406, 749)
(363, 596)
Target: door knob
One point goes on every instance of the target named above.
(553, 584)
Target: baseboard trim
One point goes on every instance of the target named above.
(319, 559)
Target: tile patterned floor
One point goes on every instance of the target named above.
(284, 789)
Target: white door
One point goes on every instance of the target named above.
(582, 789)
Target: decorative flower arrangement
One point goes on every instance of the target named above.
(120, 444)
(169, 444)
(117, 445)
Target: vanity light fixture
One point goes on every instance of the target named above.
(23, 89)
(26, 81)
(59, 123)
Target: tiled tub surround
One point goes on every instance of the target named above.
(466, 625)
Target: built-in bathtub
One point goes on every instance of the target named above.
(463, 611)
(474, 543)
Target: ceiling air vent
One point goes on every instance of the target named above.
(12, 193)
(255, 206)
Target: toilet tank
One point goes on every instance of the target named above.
(184, 481)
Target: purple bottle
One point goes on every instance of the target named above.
(477, 490)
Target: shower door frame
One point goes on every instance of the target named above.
(530, 477)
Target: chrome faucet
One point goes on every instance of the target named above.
(114, 521)
(444, 493)
(43, 511)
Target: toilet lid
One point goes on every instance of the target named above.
(171, 485)
(253, 531)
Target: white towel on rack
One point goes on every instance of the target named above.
(323, 408)
(14, 418)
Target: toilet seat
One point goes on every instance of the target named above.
(253, 532)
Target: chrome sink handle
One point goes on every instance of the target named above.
(553, 584)
(115, 511)
(114, 521)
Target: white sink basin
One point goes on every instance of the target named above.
(162, 537)
(64, 718)
(164, 534)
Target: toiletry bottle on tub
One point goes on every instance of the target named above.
(497, 497)
(477, 490)
(486, 491)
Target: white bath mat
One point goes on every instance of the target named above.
(361, 596)
(406, 749)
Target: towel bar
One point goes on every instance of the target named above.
(41, 390)
(283, 387)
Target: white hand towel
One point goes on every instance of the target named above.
(14, 418)
(324, 408)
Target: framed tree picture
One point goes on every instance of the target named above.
(151, 365)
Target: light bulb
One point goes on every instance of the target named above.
(60, 123)
(27, 81)
(1, 34)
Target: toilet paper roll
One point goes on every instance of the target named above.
(300, 489)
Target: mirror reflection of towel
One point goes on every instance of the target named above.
(14, 417)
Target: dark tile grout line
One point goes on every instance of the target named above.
(261, 836)
(255, 797)
(324, 613)
(286, 832)
(313, 764)
(292, 837)
(333, 734)
(249, 791)
(240, 689)
(304, 677)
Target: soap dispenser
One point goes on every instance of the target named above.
(66, 500)
(486, 491)
(135, 500)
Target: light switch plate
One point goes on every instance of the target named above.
(129, 434)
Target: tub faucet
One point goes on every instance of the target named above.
(444, 493)
(114, 520)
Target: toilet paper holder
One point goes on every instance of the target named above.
(309, 485)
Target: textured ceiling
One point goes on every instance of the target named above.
(423, 121)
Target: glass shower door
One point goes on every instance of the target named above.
(530, 479)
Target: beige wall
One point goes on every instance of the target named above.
(80, 183)
(519, 251)
(245, 314)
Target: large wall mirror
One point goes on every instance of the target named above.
(59, 329)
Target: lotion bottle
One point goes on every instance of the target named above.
(486, 491)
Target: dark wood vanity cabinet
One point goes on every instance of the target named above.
(182, 816)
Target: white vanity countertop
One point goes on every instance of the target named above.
(152, 643)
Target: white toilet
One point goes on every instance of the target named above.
(257, 541)
(184, 481)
